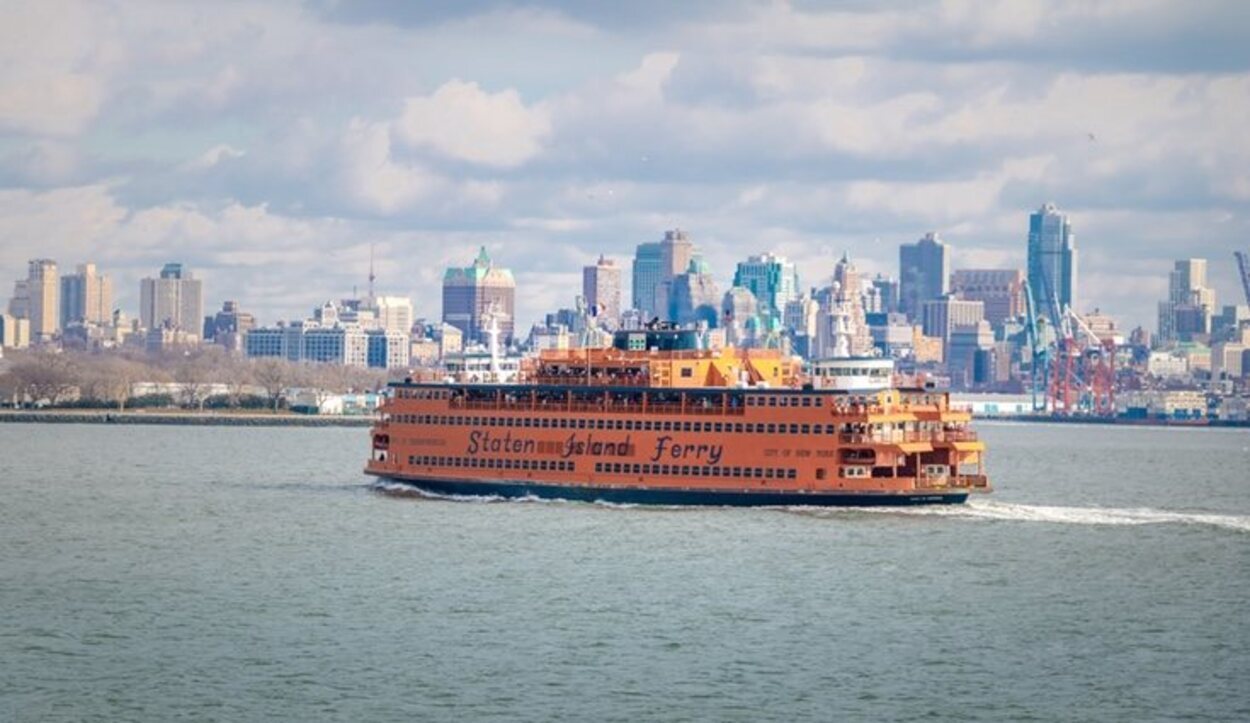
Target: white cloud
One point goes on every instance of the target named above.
(375, 180)
(464, 122)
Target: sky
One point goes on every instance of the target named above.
(269, 145)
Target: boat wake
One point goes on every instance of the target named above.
(1013, 512)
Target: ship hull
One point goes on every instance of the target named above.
(670, 496)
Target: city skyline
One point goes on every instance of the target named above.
(824, 130)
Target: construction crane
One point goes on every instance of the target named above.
(1243, 269)
(1039, 365)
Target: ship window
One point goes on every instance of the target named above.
(829, 429)
(685, 426)
(685, 470)
(665, 469)
(737, 471)
(581, 424)
(759, 472)
(806, 429)
(769, 473)
(772, 401)
(666, 426)
(687, 372)
(794, 429)
(807, 401)
(772, 428)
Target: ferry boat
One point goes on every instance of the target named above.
(655, 420)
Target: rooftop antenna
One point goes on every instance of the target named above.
(372, 276)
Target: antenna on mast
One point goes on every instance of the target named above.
(372, 276)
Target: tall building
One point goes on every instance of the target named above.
(472, 294)
(676, 251)
(694, 296)
(19, 303)
(923, 273)
(43, 299)
(86, 296)
(14, 332)
(850, 290)
(601, 287)
(393, 313)
(647, 276)
(173, 300)
(1190, 306)
(942, 316)
(1001, 290)
(1052, 261)
(772, 279)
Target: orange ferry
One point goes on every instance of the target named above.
(654, 420)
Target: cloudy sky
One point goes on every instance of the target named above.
(267, 145)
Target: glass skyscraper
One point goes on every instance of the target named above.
(1052, 260)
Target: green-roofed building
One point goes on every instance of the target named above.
(472, 293)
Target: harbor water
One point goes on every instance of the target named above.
(234, 574)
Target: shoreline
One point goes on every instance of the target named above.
(203, 419)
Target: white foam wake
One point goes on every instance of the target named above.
(995, 510)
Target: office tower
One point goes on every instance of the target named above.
(601, 287)
(676, 251)
(472, 295)
(648, 273)
(14, 332)
(393, 313)
(1186, 315)
(923, 273)
(1052, 261)
(173, 300)
(1001, 290)
(42, 299)
(772, 279)
(19, 302)
(694, 295)
(86, 296)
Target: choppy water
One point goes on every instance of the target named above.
(253, 574)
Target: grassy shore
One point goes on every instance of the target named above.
(249, 418)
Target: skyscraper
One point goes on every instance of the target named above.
(43, 294)
(86, 296)
(772, 279)
(173, 300)
(1052, 261)
(601, 287)
(473, 293)
(647, 276)
(923, 273)
(676, 250)
(1186, 315)
(694, 296)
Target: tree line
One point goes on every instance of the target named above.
(206, 377)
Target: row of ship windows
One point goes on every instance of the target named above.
(628, 425)
(540, 465)
(695, 470)
(752, 400)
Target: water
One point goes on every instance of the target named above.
(167, 573)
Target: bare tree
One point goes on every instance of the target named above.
(273, 375)
(45, 376)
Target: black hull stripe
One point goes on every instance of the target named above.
(637, 496)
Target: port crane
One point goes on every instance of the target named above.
(1073, 373)
(1243, 270)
